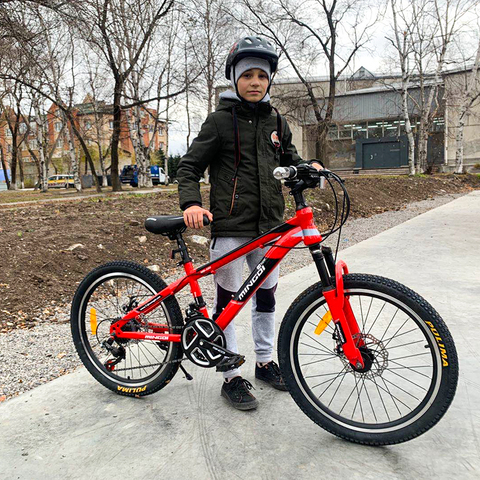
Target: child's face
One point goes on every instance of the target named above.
(252, 85)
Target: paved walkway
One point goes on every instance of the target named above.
(73, 428)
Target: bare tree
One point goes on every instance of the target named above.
(468, 96)
(210, 31)
(402, 44)
(435, 24)
(337, 28)
(111, 26)
(46, 64)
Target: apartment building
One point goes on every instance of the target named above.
(95, 122)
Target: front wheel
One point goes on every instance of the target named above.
(411, 365)
(128, 367)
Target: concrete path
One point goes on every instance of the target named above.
(73, 428)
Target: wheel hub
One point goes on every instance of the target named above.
(374, 356)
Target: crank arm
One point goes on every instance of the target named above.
(217, 349)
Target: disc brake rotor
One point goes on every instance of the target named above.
(374, 354)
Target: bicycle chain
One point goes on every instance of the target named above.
(151, 365)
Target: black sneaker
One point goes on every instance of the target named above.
(236, 391)
(271, 374)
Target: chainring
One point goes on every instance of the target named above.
(194, 333)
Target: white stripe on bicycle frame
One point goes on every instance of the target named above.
(309, 232)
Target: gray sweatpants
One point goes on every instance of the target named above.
(228, 281)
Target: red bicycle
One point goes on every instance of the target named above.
(363, 356)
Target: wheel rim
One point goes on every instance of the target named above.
(402, 382)
(108, 296)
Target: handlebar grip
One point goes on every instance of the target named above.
(206, 221)
(284, 173)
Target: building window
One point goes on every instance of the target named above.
(375, 129)
(333, 132)
(22, 128)
(160, 130)
(390, 129)
(58, 126)
(9, 148)
(110, 124)
(359, 130)
(438, 124)
(8, 133)
(88, 124)
(345, 131)
(33, 144)
(162, 147)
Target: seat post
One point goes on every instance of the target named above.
(182, 248)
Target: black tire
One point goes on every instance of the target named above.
(413, 374)
(105, 295)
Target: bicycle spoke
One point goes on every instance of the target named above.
(370, 402)
(403, 367)
(331, 383)
(408, 380)
(317, 361)
(378, 315)
(394, 335)
(316, 341)
(410, 356)
(359, 401)
(400, 388)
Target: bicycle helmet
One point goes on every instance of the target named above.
(251, 47)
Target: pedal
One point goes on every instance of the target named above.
(229, 363)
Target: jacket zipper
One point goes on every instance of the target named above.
(232, 203)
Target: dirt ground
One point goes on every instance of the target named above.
(48, 248)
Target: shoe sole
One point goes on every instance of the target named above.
(282, 388)
(240, 406)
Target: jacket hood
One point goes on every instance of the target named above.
(229, 97)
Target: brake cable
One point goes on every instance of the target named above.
(343, 217)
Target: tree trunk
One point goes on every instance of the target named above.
(4, 167)
(73, 156)
(117, 119)
(459, 141)
(408, 129)
(422, 146)
(20, 164)
(13, 165)
(43, 173)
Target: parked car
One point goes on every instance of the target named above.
(61, 181)
(130, 175)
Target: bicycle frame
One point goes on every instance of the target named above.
(299, 228)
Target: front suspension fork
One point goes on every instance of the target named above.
(346, 325)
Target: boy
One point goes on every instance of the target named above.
(242, 142)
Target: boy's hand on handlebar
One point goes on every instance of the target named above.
(316, 165)
(193, 216)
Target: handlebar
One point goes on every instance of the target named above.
(302, 172)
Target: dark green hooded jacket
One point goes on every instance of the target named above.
(256, 204)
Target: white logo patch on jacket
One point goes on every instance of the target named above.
(274, 139)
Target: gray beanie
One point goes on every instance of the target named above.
(248, 63)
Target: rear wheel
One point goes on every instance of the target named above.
(128, 367)
(411, 366)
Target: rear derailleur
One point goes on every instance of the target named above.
(117, 352)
